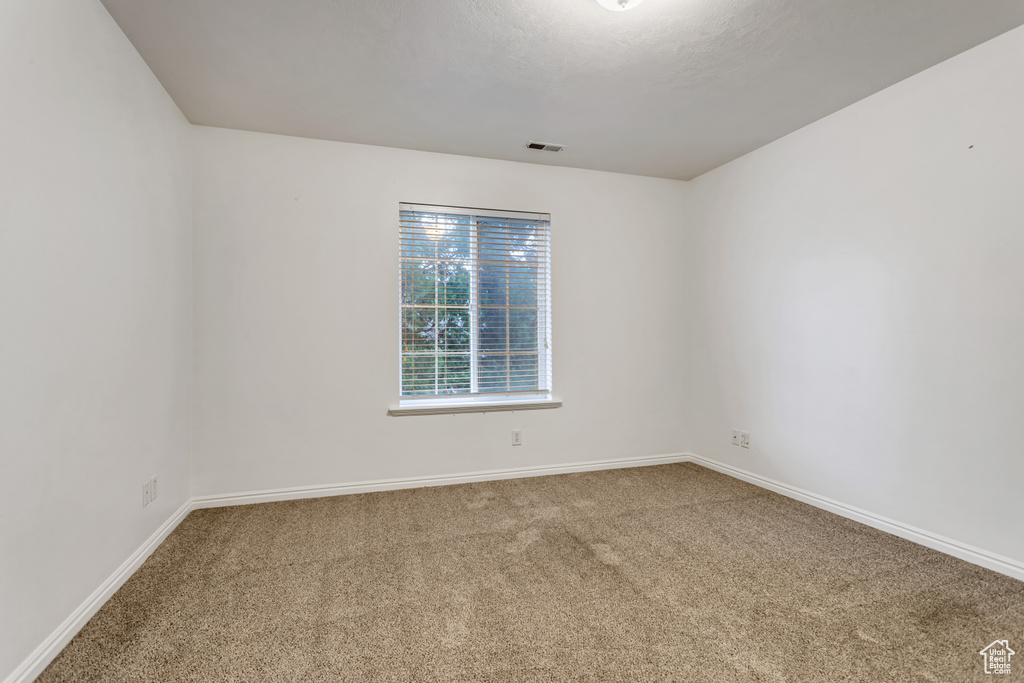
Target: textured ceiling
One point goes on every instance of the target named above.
(672, 88)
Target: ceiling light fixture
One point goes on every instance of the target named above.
(619, 5)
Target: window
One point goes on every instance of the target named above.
(475, 307)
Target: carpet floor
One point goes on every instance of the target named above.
(667, 573)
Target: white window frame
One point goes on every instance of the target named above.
(488, 402)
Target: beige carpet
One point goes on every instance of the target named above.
(670, 573)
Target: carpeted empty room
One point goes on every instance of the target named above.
(664, 573)
(511, 340)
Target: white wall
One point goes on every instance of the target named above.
(856, 303)
(297, 320)
(94, 310)
(849, 295)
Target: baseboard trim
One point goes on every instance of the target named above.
(34, 664)
(51, 647)
(982, 558)
(300, 492)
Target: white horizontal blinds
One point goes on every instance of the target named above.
(437, 272)
(474, 302)
(510, 305)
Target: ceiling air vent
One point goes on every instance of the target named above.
(546, 146)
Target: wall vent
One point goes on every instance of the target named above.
(546, 146)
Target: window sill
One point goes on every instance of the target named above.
(453, 408)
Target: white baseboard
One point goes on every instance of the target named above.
(299, 492)
(51, 647)
(982, 558)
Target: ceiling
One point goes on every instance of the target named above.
(672, 88)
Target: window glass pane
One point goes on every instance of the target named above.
(522, 287)
(523, 372)
(492, 286)
(492, 334)
(454, 374)
(454, 284)
(453, 330)
(522, 330)
(493, 372)
(417, 329)
(418, 373)
(419, 283)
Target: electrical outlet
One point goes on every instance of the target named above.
(735, 437)
(517, 437)
(145, 494)
(744, 439)
(152, 489)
